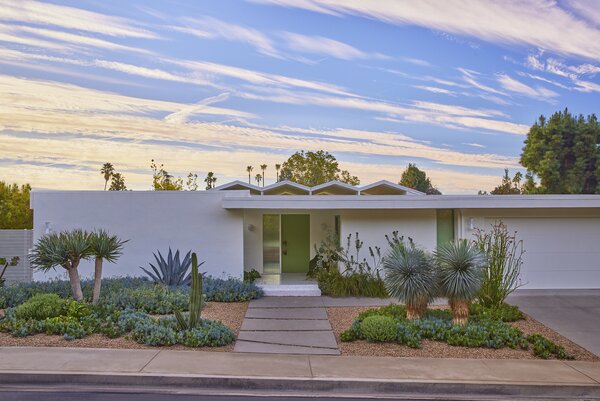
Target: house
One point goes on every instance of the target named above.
(274, 229)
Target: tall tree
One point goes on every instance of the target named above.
(191, 183)
(277, 167)
(117, 183)
(314, 168)
(14, 206)
(107, 171)
(249, 171)
(263, 167)
(515, 185)
(564, 153)
(162, 180)
(415, 178)
(258, 179)
(210, 180)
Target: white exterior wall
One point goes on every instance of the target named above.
(321, 221)
(373, 225)
(562, 246)
(151, 221)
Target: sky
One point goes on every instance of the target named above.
(200, 86)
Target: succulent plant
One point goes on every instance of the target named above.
(410, 276)
(195, 300)
(461, 273)
(171, 271)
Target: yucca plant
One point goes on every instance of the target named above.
(65, 249)
(195, 300)
(103, 246)
(171, 271)
(410, 276)
(461, 274)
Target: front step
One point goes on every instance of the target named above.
(290, 290)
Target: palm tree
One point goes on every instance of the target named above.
(103, 246)
(107, 170)
(277, 167)
(410, 276)
(249, 170)
(65, 249)
(210, 180)
(258, 178)
(263, 167)
(461, 274)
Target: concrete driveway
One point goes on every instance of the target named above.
(573, 313)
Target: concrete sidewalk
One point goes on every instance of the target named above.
(313, 374)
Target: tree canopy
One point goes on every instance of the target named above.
(14, 206)
(415, 178)
(564, 153)
(314, 168)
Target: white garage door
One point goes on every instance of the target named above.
(559, 252)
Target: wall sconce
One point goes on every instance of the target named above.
(471, 223)
(48, 229)
(251, 227)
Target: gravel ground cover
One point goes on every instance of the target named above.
(229, 313)
(342, 317)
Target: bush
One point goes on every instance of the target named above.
(336, 284)
(156, 299)
(544, 348)
(40, 307)
(378, 329)
(230, 290)
(251, 276)
(505, 312)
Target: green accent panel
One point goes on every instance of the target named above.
(295, 243)
(445, 225)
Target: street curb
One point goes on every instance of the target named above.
(323, 386)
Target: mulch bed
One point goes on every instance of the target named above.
(342, 317)
(229, 313)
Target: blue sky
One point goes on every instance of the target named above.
(215, 86)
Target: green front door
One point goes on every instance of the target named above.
(295, 243)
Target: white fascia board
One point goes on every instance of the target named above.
(413, 202)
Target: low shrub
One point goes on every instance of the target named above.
(156, 299)
(334, 283)
(379, 329)
(505, 312)
(41, 306)
(544, 348)
(230, 290)
(376, 325)
(251, 276)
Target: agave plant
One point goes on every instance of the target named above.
(410, 276)
(461, 274)
(172, 272)
(65, 249)
(103, 246)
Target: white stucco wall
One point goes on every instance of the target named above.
(562, 246)
(373, 225)
(151, 220)
(321, 221)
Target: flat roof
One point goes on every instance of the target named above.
(300, 202)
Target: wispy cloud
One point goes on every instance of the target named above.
(470, 76)
(327, 47)
(210, 28)
(187, 112)
(434, 89)
(509, 21)
(513, 85)
(35, 12)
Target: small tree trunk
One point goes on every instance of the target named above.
(460, 312)
(416, 310)
(75, 284)
(97, 280)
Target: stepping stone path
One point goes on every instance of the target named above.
(287, 325)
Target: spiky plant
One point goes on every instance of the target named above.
(171, 271)
(65, 249)
(195, 300)
(410, 276)
(103, 246)
(461, 274)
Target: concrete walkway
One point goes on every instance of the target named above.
(286, 373)
(573, 313)
(287, 325)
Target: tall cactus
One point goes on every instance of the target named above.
(195, 299)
